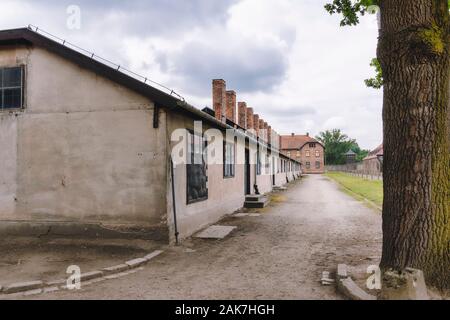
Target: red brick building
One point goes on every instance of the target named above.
(373, 163)
(305, 149)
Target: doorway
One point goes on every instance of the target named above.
(247, 172)
(273, 172)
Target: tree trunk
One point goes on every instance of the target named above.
(414, 54)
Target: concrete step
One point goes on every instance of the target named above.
(256, 202)
(255, 197)
(276, 188)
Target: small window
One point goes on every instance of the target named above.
(267, 164)
(11, 88)
(289, 154)
(308, 165)
(308, 153)
(196, 169)
(229, 166)
(312, 145)
(299, 154)
(317, 164)
(317, 154)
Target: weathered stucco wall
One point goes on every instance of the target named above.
(83, 149)
(225, 195)
(8, 164)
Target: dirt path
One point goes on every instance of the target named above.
(279, 255)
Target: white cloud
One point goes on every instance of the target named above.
(289, 59)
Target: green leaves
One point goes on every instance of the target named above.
(376, 82)
(349, 9)
(337, 144)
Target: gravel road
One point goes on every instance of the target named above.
(280, 255)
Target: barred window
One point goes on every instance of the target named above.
(229, 161)
(196, 169)
(11, 88)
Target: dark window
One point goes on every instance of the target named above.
(267, 164)
(308, 165)
(312, 145)
(196, 169)
(229, 150)
(258, 162)
(317, 164)
(11, 88)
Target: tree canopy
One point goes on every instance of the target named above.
(337, 144)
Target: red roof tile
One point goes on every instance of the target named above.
(295, 142)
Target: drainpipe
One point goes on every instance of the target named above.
(255, 186)
(174, 205)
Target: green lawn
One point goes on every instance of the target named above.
(363, 188)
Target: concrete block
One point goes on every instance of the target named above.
(215, 232)
(341, 272)
(240, 215)
(23, 286)
(136, 262)
(351, 290)
(116, 269)
(33, 292)
(406, 285)
(57, 283)
(152, 255)
(51, 289)
(91, 275)
(256, 204)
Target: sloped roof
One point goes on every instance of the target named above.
(295, 141)
(378, 151)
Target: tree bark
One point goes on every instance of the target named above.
(414, 54)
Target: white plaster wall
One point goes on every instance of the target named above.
(225, 195)
(8, 164)
(83, 149)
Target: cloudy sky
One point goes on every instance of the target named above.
(288, 59)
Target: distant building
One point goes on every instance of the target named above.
(374, 161)
(306, 150)
(350, 157)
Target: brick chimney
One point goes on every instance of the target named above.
(262, 131)
(250, 123)
(242, 114)
(219, 98)
(231, 106)
(256, 124)
(266, 131)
